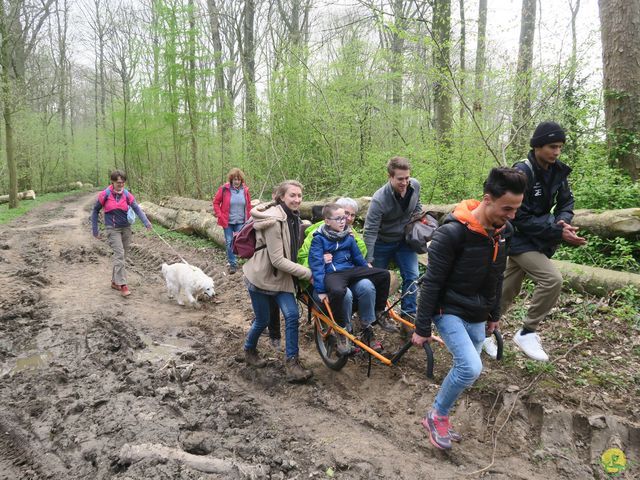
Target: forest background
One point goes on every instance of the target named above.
(176, 92)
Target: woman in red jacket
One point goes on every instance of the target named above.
(232, 205)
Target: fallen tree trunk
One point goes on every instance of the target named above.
(130, 454)
(609, 223)
(597, 281)
(189, 222)
(67, 186)
(26, 195)
(594, 280)
(606, 224)
(585, 279)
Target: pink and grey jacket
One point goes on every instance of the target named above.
(116, 206)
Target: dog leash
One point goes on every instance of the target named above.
(169, 245)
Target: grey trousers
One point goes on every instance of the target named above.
(119, 240)
(545, 276)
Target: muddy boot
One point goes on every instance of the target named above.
(343, 345)
(252, 358)
(295, 372)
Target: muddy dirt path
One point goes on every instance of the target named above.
(95, 386)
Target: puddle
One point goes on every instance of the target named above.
(165, 350)
(31, 362)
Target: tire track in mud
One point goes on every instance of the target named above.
(18, 457)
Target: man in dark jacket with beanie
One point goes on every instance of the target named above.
(461, 290)
(538, 232)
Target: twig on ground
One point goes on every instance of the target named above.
(495, 433)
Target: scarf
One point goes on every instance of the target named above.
(293, 222)
(332, 235)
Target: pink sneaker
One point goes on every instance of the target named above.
(455, 436)
(124, 291)
(115, 286)
(438, 428)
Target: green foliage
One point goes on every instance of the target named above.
(612, 253)
(535, 368)
(7, 214)
(599, 186)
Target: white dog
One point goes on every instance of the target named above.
(186, 279)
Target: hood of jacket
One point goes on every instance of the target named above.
(462, 213)
(266, 215)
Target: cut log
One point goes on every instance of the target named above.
(27, 195)
(67, 186)
(594, 280)
(189, 222)
(184, 203)
(610, 223)
(130, 454)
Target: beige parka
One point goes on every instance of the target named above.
(271, 268)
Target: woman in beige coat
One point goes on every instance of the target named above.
(272, 271)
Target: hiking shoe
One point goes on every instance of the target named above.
(232, 269)
(369, 338)
(115, 286)
(252, 358)
(295, 372)
(383, 321)
(343, 345)
(530, 346)
(453, 435)
(276, 344)
(438, 428)
(490, 348)
(124, 291)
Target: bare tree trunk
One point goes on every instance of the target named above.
(522, 104)
(619, 20)
(222, 102)
(17, 42)
(463, 46)
(397, 52)
(192, 104)
(249, 73)
(62, 13)
(481, 60)
(441, 94)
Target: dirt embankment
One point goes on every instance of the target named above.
(96, 386)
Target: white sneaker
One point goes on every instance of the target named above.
(490, 348)
(530, 346)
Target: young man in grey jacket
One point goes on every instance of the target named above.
(390, 211)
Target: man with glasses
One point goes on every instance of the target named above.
(336, 265)
(390, 211)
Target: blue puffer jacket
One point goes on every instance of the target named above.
(346, 255)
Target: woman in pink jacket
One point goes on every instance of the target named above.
(231, 205)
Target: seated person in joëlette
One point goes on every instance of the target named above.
(336, 264)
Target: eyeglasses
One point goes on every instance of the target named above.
(338, 219)
(350, 215)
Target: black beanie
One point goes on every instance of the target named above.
(547, 132)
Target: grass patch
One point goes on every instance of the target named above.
(7, 214)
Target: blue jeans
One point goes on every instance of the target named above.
(288, 306)
(365, 294)
(407, 261)
(464, 341)
(228, 236)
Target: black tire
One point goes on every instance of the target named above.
(326, 345)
